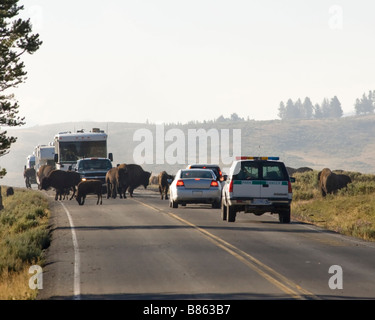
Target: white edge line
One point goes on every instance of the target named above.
(77, 262)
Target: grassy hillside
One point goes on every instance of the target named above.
(345, 143)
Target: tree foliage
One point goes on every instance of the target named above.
(365, 105)
(306, 109)
(16, 39)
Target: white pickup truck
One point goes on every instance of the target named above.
(257, 185)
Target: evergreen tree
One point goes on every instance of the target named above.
(325, 108)
(366, 104)
(235, 117)
(307, 108)
(220, 119)
(318, 113)
(290, 110)
(335, 110)
(282, 111)
(298, 112)
(16, 39)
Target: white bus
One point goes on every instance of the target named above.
(30, 161)
(70, 147)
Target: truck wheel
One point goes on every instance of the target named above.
(231, 214)
(284, 216)
(223, 211)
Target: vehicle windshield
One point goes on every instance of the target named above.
(94, 164)
(194, 174)
(259, 171)
(73, 151)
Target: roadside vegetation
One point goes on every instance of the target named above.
(350, 212)
(23, 237)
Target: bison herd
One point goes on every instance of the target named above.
(127, 177)
(119, 180)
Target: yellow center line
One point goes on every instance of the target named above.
(271, 275)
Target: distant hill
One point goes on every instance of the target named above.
(347, 143)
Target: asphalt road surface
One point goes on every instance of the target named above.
(139, 248)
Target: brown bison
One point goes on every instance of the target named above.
(164, 180)
(61, 181)
(43, 171)
(330, 182)
(154, 180)
(135, 176)
(115, 180)
(89, 187)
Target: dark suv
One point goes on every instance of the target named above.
(93, 168)
(214, 167)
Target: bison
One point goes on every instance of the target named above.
(330, 182)
(115, 180)
(10, 191)
(164, 180)
(61, 181)
(154, 180)
(135, 176)
(43, 171)
(30, 176)
(89, 187)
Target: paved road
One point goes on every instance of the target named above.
(141, 249)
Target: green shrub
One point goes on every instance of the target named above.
(23, 229)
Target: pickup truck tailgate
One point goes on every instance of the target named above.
(246, 188)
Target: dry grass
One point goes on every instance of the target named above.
(23, 237)
(350, 212)
(15, 285)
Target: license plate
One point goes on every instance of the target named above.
(261, 202)
(197, 193)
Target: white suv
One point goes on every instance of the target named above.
(257, 185)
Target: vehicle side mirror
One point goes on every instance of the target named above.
(56, 157)
(110, 156)
(292, 179)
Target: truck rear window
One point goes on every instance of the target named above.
(273, 172)
(254, 170)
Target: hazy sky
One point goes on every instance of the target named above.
(174, 60)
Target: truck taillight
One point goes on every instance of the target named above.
(289, 187)
(231, 186)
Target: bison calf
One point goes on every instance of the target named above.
(89, 187)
